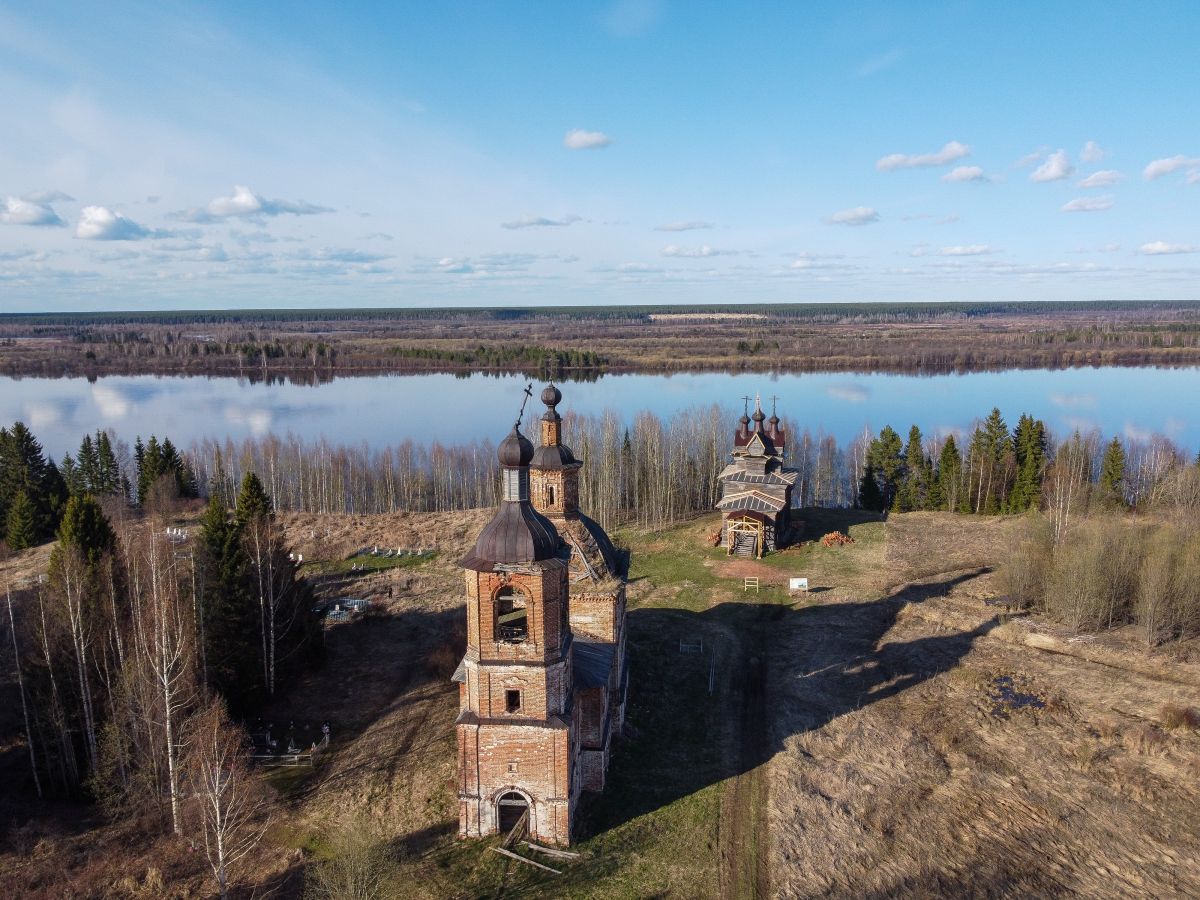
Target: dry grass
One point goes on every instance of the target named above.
(1174, 715)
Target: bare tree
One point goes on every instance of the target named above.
(229, 802)
(12, 624)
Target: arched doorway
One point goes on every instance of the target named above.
(509, 809)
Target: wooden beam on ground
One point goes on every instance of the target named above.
(519, 858)
(550, 851)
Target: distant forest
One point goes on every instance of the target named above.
(584, 342)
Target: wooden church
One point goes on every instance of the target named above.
(756, 487)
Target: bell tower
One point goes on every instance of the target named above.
(554, 472)
(518, 750)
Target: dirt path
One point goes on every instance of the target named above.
(744, 862)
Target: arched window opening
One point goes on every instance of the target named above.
(549, 495)
(512, 616)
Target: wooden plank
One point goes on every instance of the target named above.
(519, 858)
(517, 830)
(550, 851)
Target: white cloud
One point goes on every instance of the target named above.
(1103, 178)
(18, 211)
(631, 18)
(455, 266)
(1162, 248)
(1088, 204)
(1073, 401)
(1092, 152)
(879, 63)
(244, 203)
(111, 403)
(683, 226)
(47, 197)
(99, 223)
(689, 252)
(859, 215)
(1056, 167)
(1030, 158)
(966, 250)
(851, 393)
(948, 154)
(1160, 167)
(965, 173)
(579, 139)
(530, 221)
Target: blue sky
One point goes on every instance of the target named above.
(169, 155)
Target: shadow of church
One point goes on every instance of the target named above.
(682, 738)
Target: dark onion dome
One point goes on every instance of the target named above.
(553, 456)
(518, 533)
(551, 395)
(515, 451)
(773, 422)
(758, 415)
(744, 420)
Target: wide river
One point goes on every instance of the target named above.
(1133, 402)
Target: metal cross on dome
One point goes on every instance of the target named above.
(774, 397)
(528, 393)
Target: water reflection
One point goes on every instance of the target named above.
(448, 408)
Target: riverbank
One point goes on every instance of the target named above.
(585, 342)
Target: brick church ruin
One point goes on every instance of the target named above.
(542, 685)
(756, 487)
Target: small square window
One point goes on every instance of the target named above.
(512, 768)
(512, 701)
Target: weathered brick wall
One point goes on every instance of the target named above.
(598, 615)
(535, 761)
(546, 491)
(593, 710)
(545, 594)
(545, 690)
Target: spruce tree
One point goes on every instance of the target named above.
(913, 487)
(1112, 474)
(108, 470)
(886, 458)
(229, 619)
(949, 478)
(869, 495)
(252, 501)
(85, 528)
(70, 474)
(89, 464)
(24, 468)
(1029, 444)
(20, 529)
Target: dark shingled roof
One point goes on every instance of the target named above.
(550, 456)
(592, 663)
(515, 450)
(518, 533)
